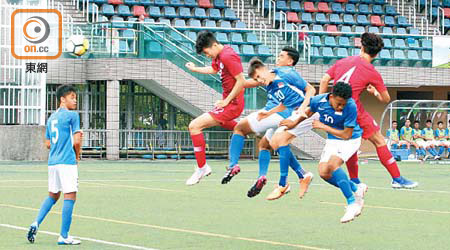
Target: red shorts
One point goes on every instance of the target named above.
(367, 124)
(227, 115)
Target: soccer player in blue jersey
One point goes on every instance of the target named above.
(63, 138)
(338, 114)
(441, 135)
(428, 136)
(289, 96)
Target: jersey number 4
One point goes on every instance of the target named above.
(346, 77)
(54, 129)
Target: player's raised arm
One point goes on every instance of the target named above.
(310, 91)
(264, 114)
(250, 83)
(323, 88)
(383, 96)
(290, 124)
(202, 70)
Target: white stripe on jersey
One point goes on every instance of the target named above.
(296, 90)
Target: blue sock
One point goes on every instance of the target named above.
(45, 208)
(236, 145)
(353, 186)
(403, 146)
(394, 146)
(264, 160)
(431, 151)
(332, 181)
(435, 151)
(423, 152)
(441, 150)
(285, 158)
(355, 180)
(295, 165)
(344, 184)
(66, 217)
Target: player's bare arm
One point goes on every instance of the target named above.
(250, 83)
(237, 89)
(290, 124)
(323, 88)
(202, 70)
(383, 97)
(264, 114)
(310, 91)
(77, 138)
(345, 134)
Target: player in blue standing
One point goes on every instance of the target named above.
(289, 96)
(338, 115)
(63, 138)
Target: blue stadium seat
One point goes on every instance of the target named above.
(399, 55)
(315, 41)
(364, 9)
(385, 54)
(100, 2)
(355, 52)
(236, 38)
(222, 38)
(229, 14)
(389, 21)
(321, 18)
(164, 20)
(107, 10)
(220, 4)
(200, 13)
(175, 36)
(342, 53)
(446, 3)
(190, 3)
(335, 19)
(317, 27)
(413, 44)
(350, 8)
(337, 8)
(180, 24)
(296, 7)
(161, 3)
(145, 2)
(118, 22)
(149, 20)
(123, 46)
(414, 31)
(367, 1)
(373, 29)
(169, 12)
(359, 29)
(402, 31)
(362, 20)
(252, 39)
(263, 52)
(403, 22)
(354, 1)
(377, 10)
(191, 34)
(327, 52)
(349, 20)
(176, 3)
(248, 51)
(387, 43)
(184, 12)
(282, 5)
(126, 2)
(387, 31)
(307, 18)
(427, 44)
(226, 25)
(346, 29)
(399, 44)
(240, 26)
(343, 41)
(209, 24)
(214, 14)
(379, 2)
(194, 23)
(154, 11)
(131, 19)
(330, 41)
(413, 55)
(426, 55)
(391, 10)
(236, 48)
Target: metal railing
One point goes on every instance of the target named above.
(412, 15)
(440, 20)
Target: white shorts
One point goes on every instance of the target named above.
(63, 178)
(302, 127)
(263, 125)
(431, 143)
(445, 143)
(343, 149)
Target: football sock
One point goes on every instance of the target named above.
(431, 151)
(45, 208)
(441, 150)
(394, 146)
(295, 165)
(344, 184)
(66, 217)
(352, 167)
(285, 159)
(236, 145)
(264, 160)
(199, 149)
(388, 161)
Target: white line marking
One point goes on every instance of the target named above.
(82, 238)
(134, 187)
(392, 208)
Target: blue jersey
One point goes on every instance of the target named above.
(283, 90)
(61, 126)
(337, 120)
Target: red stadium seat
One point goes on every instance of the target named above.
(357, 42)
(341, 1)
(376, 21)
(292, 17)
(447, 12)
(333, 28)
(115, 2)
(205, 4)
(309, 7)
(323, 7)
(138, 11)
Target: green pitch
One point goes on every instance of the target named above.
(145, 205)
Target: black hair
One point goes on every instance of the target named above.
(343, 90)
(292, 53)
(428, 121)
(416, 122)
(372, 43)
(64, 90)
(205, 39)
(394, 122)
(253, 65)
(440, 122)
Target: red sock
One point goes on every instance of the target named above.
(352, 166)
(388, 161)
(199, 149)
(229, 125)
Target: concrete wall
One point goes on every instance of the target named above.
(23, 143)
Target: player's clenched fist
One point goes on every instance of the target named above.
(190, 66)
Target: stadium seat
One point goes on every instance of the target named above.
(337, 8)
(154, 11)
(360, 30)
(191, 34)
(118, 22)
(413, 55)
(194, 23)
(248, 51)
(346, 29)
(131, 19)
(149, 20)
(357, 42)
(399, 55)
(222, 38)
(362, 20)
(413, 44)
(126, 2)
(309, 7)
(107, 10)
(321, 18)
(426, 55)
(123, 46)
(139, 10)
(180, 24)
(306, 18)
(165, 21)
(402, 31)
(209, 24)
(374, 29)
(295, 6)
(292, 17)
(391, 10)
(446, 3)
(226, 25)
(377, 10)
(100, 2)
(399, 44)
(214, 14)
(263, 52)
(317, 27)
(403, 22)
(175, 36)
(190, 3)
(200, 13)
(220, 4)
(184, 12)
(329, 41)
(176, 3)
(414, 31)
(379, 2)
(342, 52)
(323, 7)
(427, 44)
(376, 21)
(145, 2)
(161, 3)
(205, 4)
(341, 1)
(252, 39)
(348, 19)
(169, 12)
(115, 2)
(123, 10)
(332, 28)
(240, 26)
(335, 19)
(385, 55)
(236, 38)
(364, 9)
(281, 5)
(350, 8)
(387, 31)
(387, 43)
(343, 41)
(389, 21)
(229, 14)
(316, 41)
(327, 52)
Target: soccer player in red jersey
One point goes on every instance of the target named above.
(359, 72)
(228, 64)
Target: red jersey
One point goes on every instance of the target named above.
(228, 64)
(358, 73)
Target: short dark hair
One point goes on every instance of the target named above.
(416, 122)
(292, 53)
(428, 120)
(64, 90)
(372, 43)
(440, 122)
(343, 90)
(205, 39)
(253, 65)
(394, 122)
